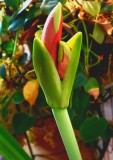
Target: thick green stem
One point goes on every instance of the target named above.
(64, 125)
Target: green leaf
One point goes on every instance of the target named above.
(47, 74)
(13, 3)
(91, 7)
(4, 106)
(98, 34)
(34, 12)
(18, 97)
(92, 128)
(17, 24)
(71, 113)
(5, 24)
(8, 46)
(75, 45)
(80, 80)
(79, 106)
(3, 72)
(3, 99)
(20, 14)
(1, 19)
(107, 134)
(78, 120)
(24, 121)
(106, 8)
(24, 6)
(91, 83)
(48, 5)
(9, 147)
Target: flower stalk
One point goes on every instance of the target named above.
(67, 133)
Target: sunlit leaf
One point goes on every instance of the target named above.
(30, 91)
(92, 87)
(24, 6)
(19, 15)
(17, 24)
(98, 33)
(91, 7)
(48, 5)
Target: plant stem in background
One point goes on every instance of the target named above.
(109, 69)
(87, 48)
(29, 146)
(15, 44)
(64, 125)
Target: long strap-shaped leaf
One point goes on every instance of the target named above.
(46, 73)
(9, 147)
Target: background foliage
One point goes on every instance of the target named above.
(20, 21)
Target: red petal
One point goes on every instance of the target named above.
(50, 37)
(62, 66)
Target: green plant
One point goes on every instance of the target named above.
(20, 22)
(56, 91)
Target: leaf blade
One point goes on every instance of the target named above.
(10, 148)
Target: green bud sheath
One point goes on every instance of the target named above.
(47, 74)
(75, 45)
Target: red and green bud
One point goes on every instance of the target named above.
(64, 53)
(52, 32)
(54, 60)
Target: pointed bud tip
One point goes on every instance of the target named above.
(57, 16)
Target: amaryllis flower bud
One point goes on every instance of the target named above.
(52, 31)
(62, 66)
